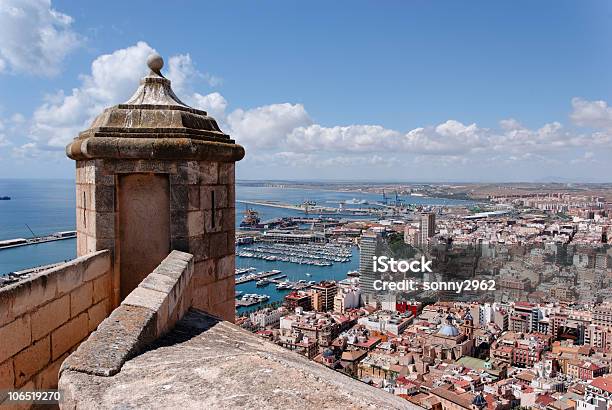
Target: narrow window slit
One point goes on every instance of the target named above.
(212, 207)
(84, 210)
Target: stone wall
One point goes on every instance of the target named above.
(150, 311)
(44, 318)
(202, 220)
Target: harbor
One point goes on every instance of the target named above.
(302, 276)
(48, 206)
(57, 236)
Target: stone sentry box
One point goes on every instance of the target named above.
(155, 175)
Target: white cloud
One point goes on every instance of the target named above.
(113, 79)
(356, 138)
(34, 37)
(268, 125)
(183, 74)
(284, 135)
(27, 150)
(510, 124)
(595, 114)
(214, 104)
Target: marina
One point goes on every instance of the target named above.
(304, 254)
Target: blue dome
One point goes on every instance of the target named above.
(479, 401)
(448, 330)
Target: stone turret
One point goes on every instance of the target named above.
(155, 175)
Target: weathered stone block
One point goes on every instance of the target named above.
(199, 247)
(68, 335)
(195, 223)
(213, 225)
(231, 242)
(204, 272)
(226, 267)
(231, 196)
(193, 197)
(30, 361)
(14, 337)
(218, 291)
(83, 197)
(101, 288)
(96, 314)
(81, 243)
(193, 172)
(179, 197)
(121, 336)
(226, 173)
(50, 317)
(153, 300)
(178, 223)
(225, 310)
(160, 283)
(180, 243)
(96, 265)
(218, 244)
(47, 378)
(200, 298)
(7, 376)
(229, 219)
(71, 276)
(219, 192)
(104, 225)
(103, 198)
(27, 296)
(209, 172)
(180, 177)
(81, 298)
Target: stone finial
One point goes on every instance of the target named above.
(155, 63)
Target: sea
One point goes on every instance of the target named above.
(44, 206)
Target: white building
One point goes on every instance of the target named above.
(267, 317)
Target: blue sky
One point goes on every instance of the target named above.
(397, 90)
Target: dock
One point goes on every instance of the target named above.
(246, 303)
(57, 236)
(256, 276)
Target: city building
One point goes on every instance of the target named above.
(326, 291)
(367, 251)
(427, 227)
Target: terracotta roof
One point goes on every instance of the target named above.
(604, 383)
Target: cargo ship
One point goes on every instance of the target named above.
(250, 219)
(5, 198)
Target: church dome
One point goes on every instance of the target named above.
(479, 401)
(448, 330)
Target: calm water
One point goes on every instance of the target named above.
(47, 206)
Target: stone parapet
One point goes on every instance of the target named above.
(147, 313)
(44, 318)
